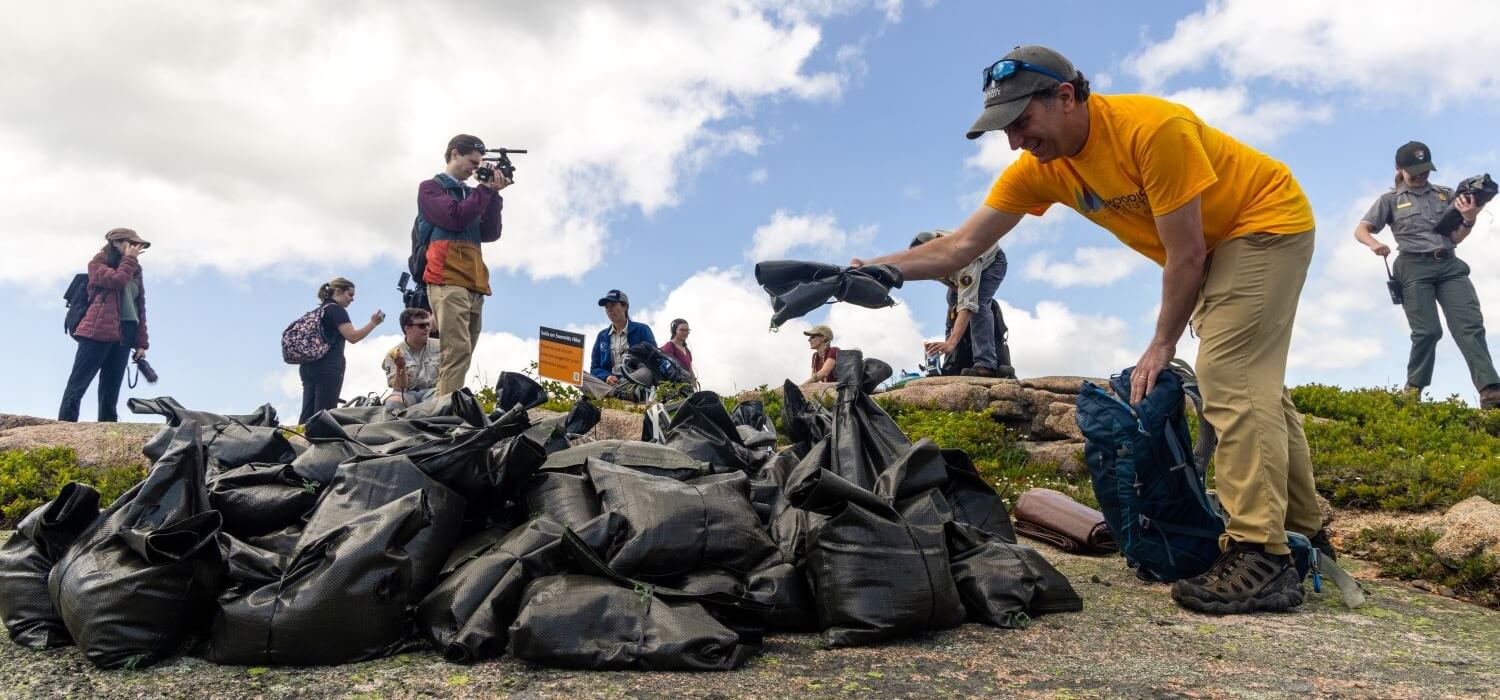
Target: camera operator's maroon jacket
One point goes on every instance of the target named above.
(458, 219)
(102, 321)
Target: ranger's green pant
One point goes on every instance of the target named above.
(1428, 283)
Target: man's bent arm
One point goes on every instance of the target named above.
(1181, 234)
(941, 257)
(448, 213)
(489, 226)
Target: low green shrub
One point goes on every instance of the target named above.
(29, 478)
(995, 451)
(1379, 449)
(1406, 553)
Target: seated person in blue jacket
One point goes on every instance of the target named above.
(614, 340)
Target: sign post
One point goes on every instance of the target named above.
(560, 355)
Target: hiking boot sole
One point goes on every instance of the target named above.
(1281, 601)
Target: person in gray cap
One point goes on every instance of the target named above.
(615, 339)
(1430, 273)
(1174, 189)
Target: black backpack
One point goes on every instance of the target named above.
(77, 298)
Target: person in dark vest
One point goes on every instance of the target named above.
(1430, 273)
(113, 329)
(456, 219)
(323, 379)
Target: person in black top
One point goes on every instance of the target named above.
(323, 379)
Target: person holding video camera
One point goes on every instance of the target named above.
(1429, 273)
(453, 221)
(112, 329)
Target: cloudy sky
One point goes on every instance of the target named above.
(265, 147)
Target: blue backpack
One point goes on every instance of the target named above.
(1151, 481)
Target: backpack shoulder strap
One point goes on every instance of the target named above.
(1208, 440)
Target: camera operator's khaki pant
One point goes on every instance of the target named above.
(1263, 470)
(457, 310)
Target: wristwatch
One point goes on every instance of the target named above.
(1466, 224)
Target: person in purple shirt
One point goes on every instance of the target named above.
(453, 220)
(677, 348)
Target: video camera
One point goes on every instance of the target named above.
(485, 173)
(414, 297)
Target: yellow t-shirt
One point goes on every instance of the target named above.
(1146, 157)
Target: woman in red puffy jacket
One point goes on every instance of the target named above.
(113, 326)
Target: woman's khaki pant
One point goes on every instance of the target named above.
(1244, 317)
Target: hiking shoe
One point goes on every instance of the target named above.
(1489, 397)
(1244, 579)
(1323, 544)
(1415, 392)
(987, 372)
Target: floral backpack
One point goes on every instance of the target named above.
(303, 341)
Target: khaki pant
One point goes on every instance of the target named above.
(1263, 470)
(458, 322)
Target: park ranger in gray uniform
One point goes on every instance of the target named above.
(1431, 275)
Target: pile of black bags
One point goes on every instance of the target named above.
(375, 531)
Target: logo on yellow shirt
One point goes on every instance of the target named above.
(1088, 202)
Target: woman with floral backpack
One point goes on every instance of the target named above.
(323, 378)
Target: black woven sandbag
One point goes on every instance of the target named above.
(876, 573)
(468, 615)
(562, 496)
(553, 433)
(1004, 584)
(369, 552)
(512, 464)
(26, 558)
(258, 499)
(973, 500)
(586, 622)
(140, 579)
(797, 287)
(176, 414)
(866, 440)
(805, 422)
(674, 527)
(755, 428)
(601, 619)
(461, 460)
(516, 389)
(229, 444)
(460, 404)
(646, 457)
(341, 598)
(320, 460)
(702, 429)
(361, 486)
(785, 588)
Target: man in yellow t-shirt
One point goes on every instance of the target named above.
(1233, 233)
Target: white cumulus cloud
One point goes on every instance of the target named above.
(286, 135)
(819, 234)
(1090, 267)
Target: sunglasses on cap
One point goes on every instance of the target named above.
(1005, 68)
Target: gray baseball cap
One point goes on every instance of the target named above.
(1010, 82)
